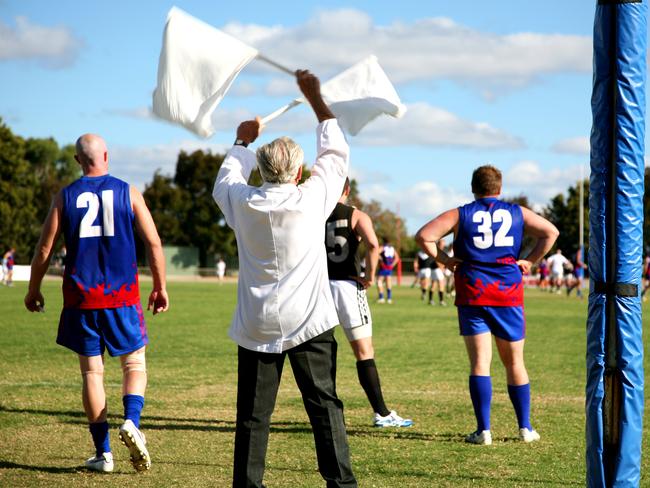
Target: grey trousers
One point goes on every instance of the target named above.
(314, 368)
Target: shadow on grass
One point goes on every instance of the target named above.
(158, 422)
(45, 469)
(406, 433)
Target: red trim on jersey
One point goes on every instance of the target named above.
(493, 294)
(75, 296)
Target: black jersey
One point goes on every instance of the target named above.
(341, 244)
(425, 261)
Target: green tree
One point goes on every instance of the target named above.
(184, 210)
(18, 184)
(54, 169)
(563, 211)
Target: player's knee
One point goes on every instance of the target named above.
(134, 362)
(91, 374)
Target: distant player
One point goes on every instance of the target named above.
(221, 269)
(579, 275)
(101, 298)
(345, 228)
(544, 273)
(489, 290)
(557, 263)
(388, 259)
(422, 267)
(8, 261)
(437, 281)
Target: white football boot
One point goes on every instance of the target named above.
(528, 435)
(103, 463)
(483, 438)
(132, 438)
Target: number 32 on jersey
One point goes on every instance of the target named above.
(90, 201)
(487, 238)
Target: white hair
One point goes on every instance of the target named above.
(279, 160)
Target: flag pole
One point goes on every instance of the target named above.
(281, 110)
(261, 57)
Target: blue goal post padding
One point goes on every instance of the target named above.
(616, 243)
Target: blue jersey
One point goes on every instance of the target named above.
(488, 242)
(97, 220)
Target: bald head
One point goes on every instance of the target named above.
(92, 154)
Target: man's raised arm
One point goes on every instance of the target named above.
(310, 87)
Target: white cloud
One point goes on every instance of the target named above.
(574, 145)
(138, 164)
(417, 203)
(426, 125)
(333, 40)
(422, 124)
(538, 184)
(53, 47)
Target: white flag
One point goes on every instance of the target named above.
(360, 94)
(356, 96)
(197, 65)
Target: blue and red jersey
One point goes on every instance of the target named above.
(488, 242)
(97, 220)
(387, 257)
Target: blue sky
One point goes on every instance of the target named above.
(482, 81)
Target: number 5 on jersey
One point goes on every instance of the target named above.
(90, 201)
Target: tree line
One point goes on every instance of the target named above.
(33, 170)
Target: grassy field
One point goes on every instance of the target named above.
(190, 405)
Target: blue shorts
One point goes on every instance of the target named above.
(579, 272)
(507, 323)
(384, 272)
(88, 332)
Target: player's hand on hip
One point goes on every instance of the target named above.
(34, 301)
(451, 263)
(362, 281)
(158, 301)
(524, 266)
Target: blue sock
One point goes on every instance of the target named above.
(480, 390)
(381, 295)
(133, 405)
(520, 398)
(99, 431)
(389, 294)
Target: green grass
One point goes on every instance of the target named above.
(190, 407)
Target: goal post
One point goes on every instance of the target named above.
(614, 390)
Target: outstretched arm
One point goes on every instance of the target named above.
(34, 300)
(546, 234)
(144, 224)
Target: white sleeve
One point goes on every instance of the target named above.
(231, 186)
(328, 174)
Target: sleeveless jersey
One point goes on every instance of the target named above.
(387, 257)
(488, 242)
(97, 220)
(341, 244)
(424, 260)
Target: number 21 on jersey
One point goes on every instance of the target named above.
(90, 201)
(487, 238)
